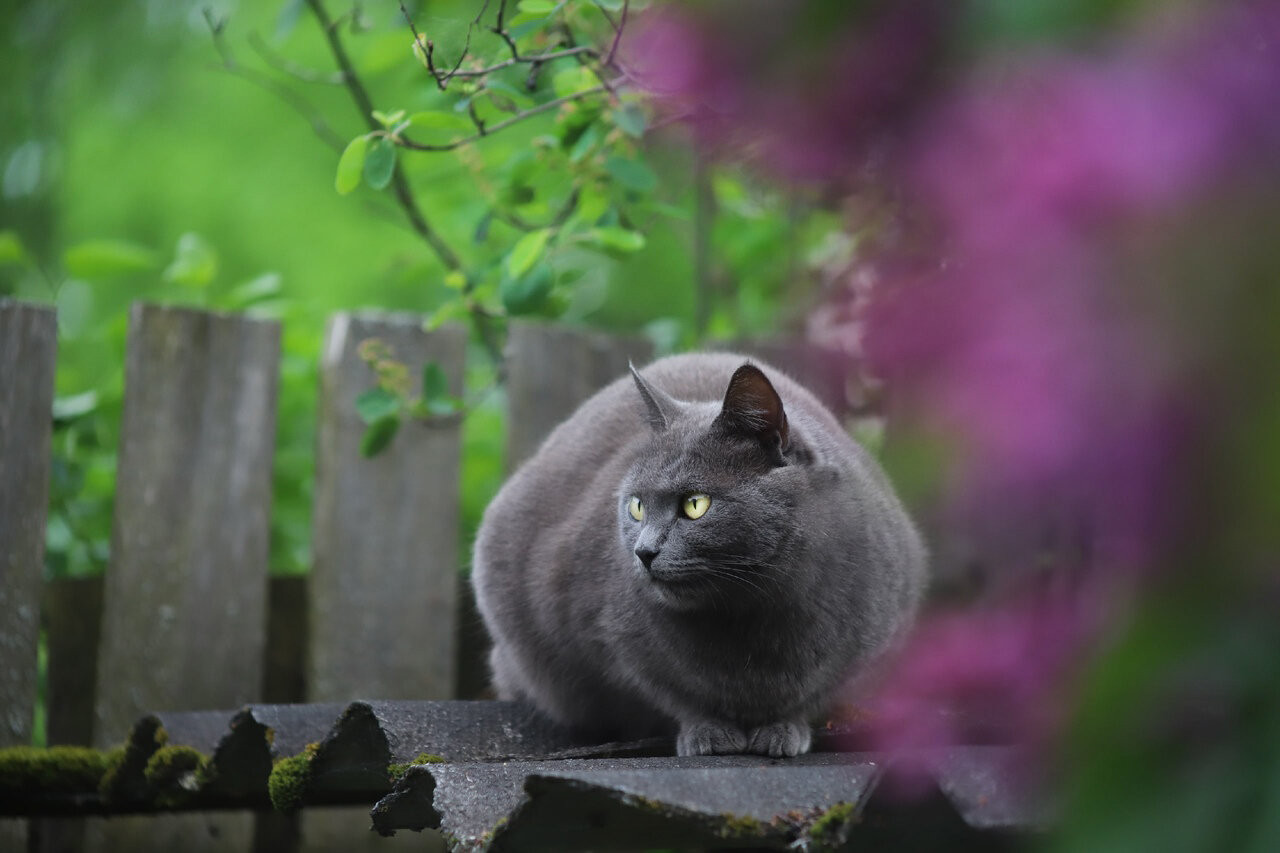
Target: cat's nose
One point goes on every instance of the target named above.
(646, 554)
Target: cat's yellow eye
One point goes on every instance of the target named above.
(635, 508)
(696, 506)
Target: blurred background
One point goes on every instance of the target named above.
(1040, 234)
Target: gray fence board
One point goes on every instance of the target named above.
(185, 593)
(553, 369)
(28, 350)
(385, 529)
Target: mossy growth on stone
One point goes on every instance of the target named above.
(28, 770)
(740, 826)
(290, 778)
(828, 829)
(125, 779)
(397, 771)
(175, 773)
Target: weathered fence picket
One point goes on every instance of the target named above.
(551, 370)
(184, 597)
(183, 622)
(28, 347)
(385, 530)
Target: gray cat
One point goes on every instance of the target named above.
(682, 557)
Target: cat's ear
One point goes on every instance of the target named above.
(753, 408)
(660, 408)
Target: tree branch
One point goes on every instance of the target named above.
(299, 104)
(505, 123)
(399, 184)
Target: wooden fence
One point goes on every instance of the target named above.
(188, 616)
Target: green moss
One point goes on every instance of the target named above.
(740, 826)
(174, 773)
(290, 778)
(55, 770)
(397, 771)
(828, 827)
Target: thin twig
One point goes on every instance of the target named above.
(364, 104)
(617, 33)
(531, 58)
(299, 104)
(288, 66)
(505, 123)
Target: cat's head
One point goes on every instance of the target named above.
(707, 515)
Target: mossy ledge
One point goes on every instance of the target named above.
(740, 826)
(28, 770)
(397, 771)
(175, 773)
(828, 829)
(290, 778)
(125, 779)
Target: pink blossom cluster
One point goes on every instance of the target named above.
(1030, 334)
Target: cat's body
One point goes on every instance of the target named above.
(618, 612)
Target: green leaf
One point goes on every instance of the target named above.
(105, 258)
(630, 119)
(12, 252)
(525, 294)
(436, 399)
(195, 263)
(434, 382)
(454, 309)
(380, 163)
(526, 252)
(351, 165)
(585, 143)
(77, 405)
(388, 119)
(379, 434)
(593, 201)
(573, 80)
(632, 174)
(614, 239)
(376, 403)
(537, 7)
(288, 18)
(255, 290)
(455, 280)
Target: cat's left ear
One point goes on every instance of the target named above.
(753, 408)
(660, 408)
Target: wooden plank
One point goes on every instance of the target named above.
(28, 350)
(184, 618)
(284, 677)
(385, 530)
(553, 369)
(73, 623)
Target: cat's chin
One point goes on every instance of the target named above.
(683, 588)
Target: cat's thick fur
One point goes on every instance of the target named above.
(732, 629)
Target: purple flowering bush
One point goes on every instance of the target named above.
(1078, 301)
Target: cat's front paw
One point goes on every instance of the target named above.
(710, 739)
(780, 740)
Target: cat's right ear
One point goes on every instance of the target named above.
(660, 408)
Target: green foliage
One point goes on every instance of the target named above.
(244, 219)
(103, 258)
